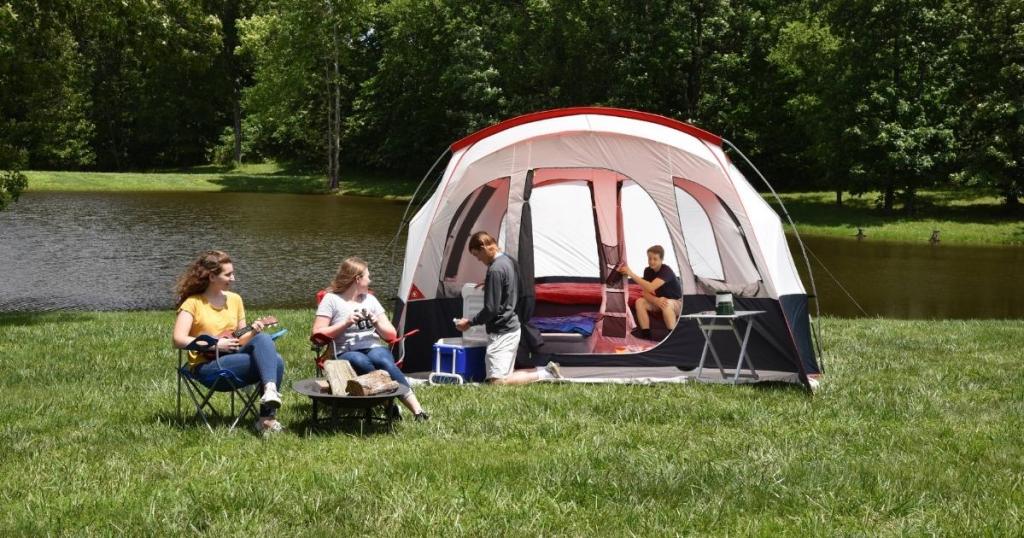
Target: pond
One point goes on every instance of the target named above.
(121, 251)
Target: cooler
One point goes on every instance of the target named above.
(456, 361)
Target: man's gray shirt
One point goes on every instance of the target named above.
(501, 289)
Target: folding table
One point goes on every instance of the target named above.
(709, 321)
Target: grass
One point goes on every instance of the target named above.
(916, 430)
(961, 218)
(264, 177)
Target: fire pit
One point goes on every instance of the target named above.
(365, 409)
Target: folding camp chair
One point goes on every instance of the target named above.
(201, 389)
(324, 349)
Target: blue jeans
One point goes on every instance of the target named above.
(365, 361)
(258, 361)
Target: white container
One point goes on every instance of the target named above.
(472, 304)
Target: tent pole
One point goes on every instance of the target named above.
(796, 232)
(412, 199)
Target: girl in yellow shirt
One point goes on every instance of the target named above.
(205, 306)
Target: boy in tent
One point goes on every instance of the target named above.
(501, 288)
(662, 292)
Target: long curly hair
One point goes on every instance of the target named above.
(196, 277)
(349, 271)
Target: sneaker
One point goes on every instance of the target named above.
(554, 369)
(268, 428)
(641, 333)
(422, 416)
(271, 398)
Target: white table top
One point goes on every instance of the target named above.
(710, 314)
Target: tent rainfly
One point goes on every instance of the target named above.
(572, 193)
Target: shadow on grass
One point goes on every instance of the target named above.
(1019, 234)
(197, 170)
(39, 318)
(780, 387)
(350, 423)
(271, 183)
(189, 421)
(272, 169)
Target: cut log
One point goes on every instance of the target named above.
(375, 382)
(338, 374)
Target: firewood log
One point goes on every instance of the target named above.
(338, 374)
(375, 382)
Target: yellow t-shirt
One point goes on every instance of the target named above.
(212, 321)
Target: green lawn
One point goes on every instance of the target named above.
(916, 430)
(265, 177)
(961, 218)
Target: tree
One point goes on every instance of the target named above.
(432, 80)
(156, 97)
(12, 181)
(44, 102)
(900, 132)
(303, 81)
(233, 67)
(990, 53)
(872, 93)
(808, 54)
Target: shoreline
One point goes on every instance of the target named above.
(966, 218)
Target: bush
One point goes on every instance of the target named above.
(12, 181)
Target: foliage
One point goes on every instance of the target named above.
(888, 96)
(12, 183)
(12, 180)
(873, 86)
(112, 85)
(440, 49)
(990, 51)
(44, 103)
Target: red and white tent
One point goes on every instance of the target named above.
(572, 192)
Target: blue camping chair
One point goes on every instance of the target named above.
(202, 388)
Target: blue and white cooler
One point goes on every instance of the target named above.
(458, 361)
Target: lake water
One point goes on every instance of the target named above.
(118, 251)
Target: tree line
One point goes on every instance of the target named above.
(854, 96)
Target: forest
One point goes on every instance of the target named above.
(887, 97)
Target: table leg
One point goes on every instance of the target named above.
(743, 351)
(704, 353)
(746, 351)
(714, 353)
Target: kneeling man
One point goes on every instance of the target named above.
(501, 288)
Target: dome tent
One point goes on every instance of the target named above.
(571, 193)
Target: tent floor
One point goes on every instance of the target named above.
(656, 374)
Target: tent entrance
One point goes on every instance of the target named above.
(587, 222)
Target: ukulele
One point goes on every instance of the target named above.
(207, 345)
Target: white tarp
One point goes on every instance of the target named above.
(564, 242)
